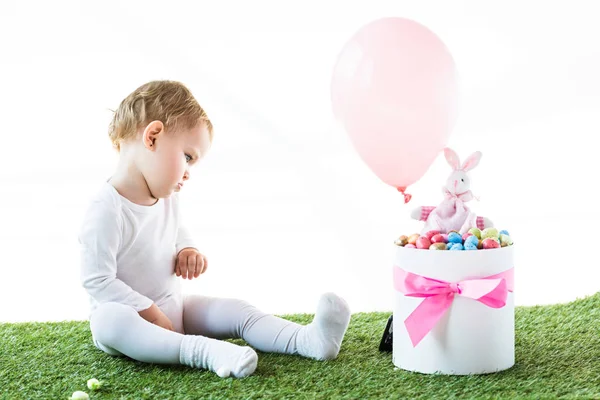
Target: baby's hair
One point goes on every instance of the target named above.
(167, 101)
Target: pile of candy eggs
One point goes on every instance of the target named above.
(474, 239)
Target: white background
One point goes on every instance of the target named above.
(283, 206)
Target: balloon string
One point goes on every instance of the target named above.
(407, 196)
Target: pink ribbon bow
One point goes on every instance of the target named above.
(464, 196)
(491, 291)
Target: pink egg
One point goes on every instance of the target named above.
(431, 234)
(490, 243)
(423, 242)
(445, 236)
(466, 235)
(410, 246)
(439, 238)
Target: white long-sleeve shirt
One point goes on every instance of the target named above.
(128, 251)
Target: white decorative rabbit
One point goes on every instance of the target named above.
(452, 213)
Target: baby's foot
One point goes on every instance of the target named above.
(221, 357)
(322, 338)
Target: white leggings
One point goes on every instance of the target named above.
(118, 329)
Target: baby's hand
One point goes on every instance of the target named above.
(155, 316)
(163, 321)
(190, 263)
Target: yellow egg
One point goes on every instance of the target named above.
(412, 239)
(475, 232)
(438, 246)
(489, 233)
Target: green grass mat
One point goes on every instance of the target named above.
(557, 356)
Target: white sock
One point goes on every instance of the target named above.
(221, 357)
(322, 338)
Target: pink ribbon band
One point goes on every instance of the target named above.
(491, 291)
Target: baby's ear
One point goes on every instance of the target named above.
(472, 161)
(452, 158)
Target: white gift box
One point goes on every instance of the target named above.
(470, 337)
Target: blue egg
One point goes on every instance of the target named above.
(470, 246)
(504, 232)
(454, 237)
(472, 240)
(457, 246)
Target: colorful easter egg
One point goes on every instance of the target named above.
(505, 240)
(401, 241)
(412, 239)
(437, 246)
(472, 240)
(489, 233)
(475, 232)
(438, 238)
(454, 237)
(430, 234)
(423, 242)
(470, 246)
(490, 243)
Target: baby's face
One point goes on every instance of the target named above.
(175, 154)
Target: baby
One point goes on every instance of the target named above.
(135, 251)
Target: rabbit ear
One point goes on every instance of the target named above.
(471, 161)
(452, 158)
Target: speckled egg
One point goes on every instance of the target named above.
(470, 246)
(401, 241)
(472, 240)
(475, 232)
(431, 234)
(454, 237)
(489, 233)
(412, 239)
(423, 243)
(457, 246)
(505, 240)
(438, 238)
(437, 246)
(490, 243)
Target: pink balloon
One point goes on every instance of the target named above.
(394, 90)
